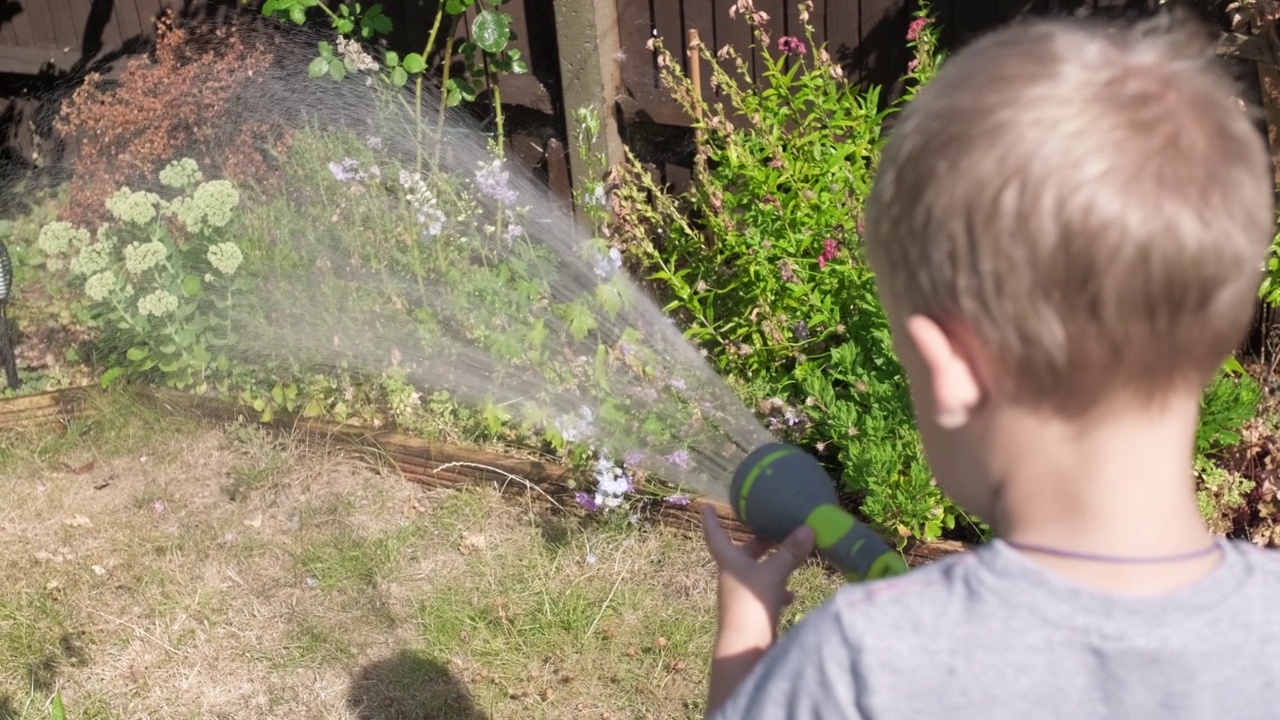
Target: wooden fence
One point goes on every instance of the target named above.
(46, 46)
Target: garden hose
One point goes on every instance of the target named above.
(779, 487)
(6, 344)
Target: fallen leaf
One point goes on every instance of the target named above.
(101, 484)
(255, 521)
(78, 521)
(80, 470)
(99, 570)
(662, 643)
(470, 542)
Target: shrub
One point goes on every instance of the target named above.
(160, 109)
(161, 280)
(766, 269)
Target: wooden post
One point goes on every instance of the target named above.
(1261, 50)
(590, 75)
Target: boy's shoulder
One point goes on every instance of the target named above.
(989, 633)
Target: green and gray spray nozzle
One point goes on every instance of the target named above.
(779, 487)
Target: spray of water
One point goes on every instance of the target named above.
(421, 251)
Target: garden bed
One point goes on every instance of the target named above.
(436, 465)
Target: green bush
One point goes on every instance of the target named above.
(762, 260)
(1269, 292)
(161, 281)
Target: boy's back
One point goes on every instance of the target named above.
(1067, 228)
(988, 634)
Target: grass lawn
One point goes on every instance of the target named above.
(157, 567)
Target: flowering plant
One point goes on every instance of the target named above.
(767, 270)
(162, 278)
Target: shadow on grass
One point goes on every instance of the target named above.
(410, 685)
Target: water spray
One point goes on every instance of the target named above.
(779, 487)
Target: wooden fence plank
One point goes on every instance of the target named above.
(8, 29)
(63, 24)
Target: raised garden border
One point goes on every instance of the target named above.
(434, 465)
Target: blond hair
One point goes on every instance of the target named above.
(1091, 200)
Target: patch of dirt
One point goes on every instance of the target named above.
(221, 573)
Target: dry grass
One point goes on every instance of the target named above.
(157, 567)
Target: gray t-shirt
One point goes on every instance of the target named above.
(988, 634)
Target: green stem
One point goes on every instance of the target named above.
(417, 85)
(444, 102)
(497, 112)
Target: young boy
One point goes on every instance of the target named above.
(1067, 227)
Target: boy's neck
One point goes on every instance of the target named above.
(1115, 483)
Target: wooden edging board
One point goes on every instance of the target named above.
(426, 463)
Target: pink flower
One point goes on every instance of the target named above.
(913, 30)
(915, 63)
(829, 251)
(791, 45)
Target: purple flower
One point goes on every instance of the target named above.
(678, 499)
(633, 458)
(786, 272)
(791, 45)
(679, 457)
(677, 383)
(513, 233)
(492, 181)
(586, 501)
(606, 265)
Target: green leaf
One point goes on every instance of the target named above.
(457, 7)
(326, 50)
(313, 409)
(518, 67)
(379, 23)
(337, 70)
(491, 30)
(298, 14)
(452, 98)
(136, 353)
(277, 394)
(110, 376)
(414, 63)
(57, 712)
(344, 26)
(463, 88)
(399, 77)
(318, 67)
(392, 58)
(191, 285)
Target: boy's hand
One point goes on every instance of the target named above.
(752, 595)
(752, 590)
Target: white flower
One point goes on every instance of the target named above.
(92, 259)
(59, 235)
(138, 207)
(140, 257)
(226, 257)
(99, 286)
(158, 303)
(181, 174)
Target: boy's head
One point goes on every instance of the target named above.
(1073, 213)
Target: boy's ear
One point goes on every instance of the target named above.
(954, 378)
